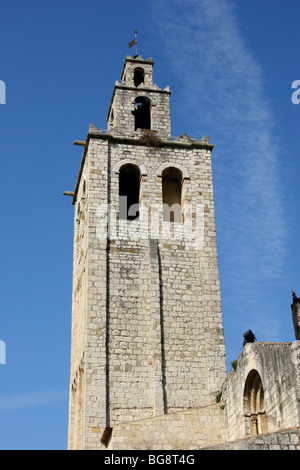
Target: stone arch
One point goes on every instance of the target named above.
(173, 190)
(254, 404)
(185, 174)
(116, 168)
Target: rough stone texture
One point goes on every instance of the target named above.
(286, 439)
(187, 430)
(147, 352)
(120, 115)
(147, 333)
(279, 375)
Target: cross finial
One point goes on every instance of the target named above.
(134, 42)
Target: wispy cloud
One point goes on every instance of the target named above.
(223, 94)
(33, 399)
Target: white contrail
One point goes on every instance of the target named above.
(223, 90)
(222, 93)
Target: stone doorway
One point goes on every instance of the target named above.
(254, 403)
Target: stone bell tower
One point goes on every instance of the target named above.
(147, 333)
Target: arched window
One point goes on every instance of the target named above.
(139, 76)
(142, 113)
(129, 192)
(255, 404)
(172, 194)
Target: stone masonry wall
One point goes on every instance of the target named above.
(148, 353)
(278, 372)
(120, 117)
(80, 281)
(123, 122)
(153, 323)
(189, 430)
(286, 439)
(147, 332)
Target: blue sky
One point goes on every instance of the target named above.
(230, 66)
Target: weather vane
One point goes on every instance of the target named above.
(134, 42)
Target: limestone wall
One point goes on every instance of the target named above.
(79, 308)
(189, 430)
(287, 439)
(149, 322)
(147, 331)
(278, 371)
(120, 117)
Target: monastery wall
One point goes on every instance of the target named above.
(286, 439)
(276, 365)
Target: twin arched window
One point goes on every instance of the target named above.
(129, 193)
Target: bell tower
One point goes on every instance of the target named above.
(147, 333)
(137, 103)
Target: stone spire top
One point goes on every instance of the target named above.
(137, 104)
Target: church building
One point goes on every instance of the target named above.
(148, 368)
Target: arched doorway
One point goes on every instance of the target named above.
(254, 402)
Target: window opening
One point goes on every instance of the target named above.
(172, 194)
(139, 76)
(142, 113)
(129, 192)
